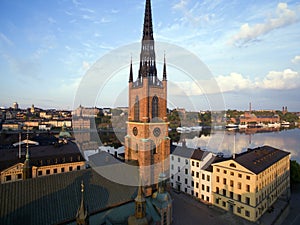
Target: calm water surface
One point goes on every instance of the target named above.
(229, 141)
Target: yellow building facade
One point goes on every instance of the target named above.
(249, 183)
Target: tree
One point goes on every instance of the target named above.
(294, 171)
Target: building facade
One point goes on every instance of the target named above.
(248, 184)
(147, 138)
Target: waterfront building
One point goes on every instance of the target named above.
(249, 183)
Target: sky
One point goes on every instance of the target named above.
(250, 47)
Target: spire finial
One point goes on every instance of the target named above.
(148, 28)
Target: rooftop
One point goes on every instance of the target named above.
(259, 159)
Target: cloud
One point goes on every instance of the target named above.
(249, 33)
(296, 59)
(5, 39)
(235, 82)
(280, 80)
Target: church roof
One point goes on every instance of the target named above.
(55, 199)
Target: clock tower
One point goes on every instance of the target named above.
(147, 138)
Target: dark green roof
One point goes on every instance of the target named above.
(55, 199)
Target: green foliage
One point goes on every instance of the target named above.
(294, 171)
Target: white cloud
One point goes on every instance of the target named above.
(279, 80)
(283, 17)
(296, 59)
(234, 81)
(274, 80)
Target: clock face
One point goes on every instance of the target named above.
(135, 131)
(156, 132)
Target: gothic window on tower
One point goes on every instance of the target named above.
(154, 107)
(136, 109)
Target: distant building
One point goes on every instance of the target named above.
(15, 106)
(44, 160)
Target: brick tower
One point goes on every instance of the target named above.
(147, 138)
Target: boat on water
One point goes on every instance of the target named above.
(243, 126)
(274, 124)
(232, 125)
(285, 124)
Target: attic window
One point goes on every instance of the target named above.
(232, 165)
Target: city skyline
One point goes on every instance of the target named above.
(250, 48)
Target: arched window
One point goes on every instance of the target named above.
(154, 107)
(136, 109)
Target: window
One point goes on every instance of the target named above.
(248, 187)
(178, 178)
(47, 172)
(185, 190)
(207, 198)
(217, 190)
(178, 159)
(197, 174)
(247, 200)
(178, 169)
(224, 192)
(239, 209)
(218, 179)
(218, 170)
(154, 107)
(172, 167)
(78, 167)
(225, 171)
(231, 183)
(186, 171)
(19, 176)
(224, 181)
(223, 204)
(232, 165)
(248, 177)
(192, 183)
(207, 188)
(232, 173)
(137, 109)
(217, 201)
(8, 178)
(54, 170)
(239, 185)
(247, 213)
(70, 168)
(186, 162)
(172, 157)
(197, 185)
(240, 175)
(197, 194)
(62, 170)
(203, 176)
(239, 198)
(192, 173)
(231, 195)
(185, 181)
(197, 164)
(203, 187)
(208, 178)
(193, 163)
(192, 192)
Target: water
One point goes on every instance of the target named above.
(228, 142)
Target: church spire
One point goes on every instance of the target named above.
(147, 56)
(165, 69)
(131, 72)
(27, 170)
(82, 214)
(140, 203)
(148, 28)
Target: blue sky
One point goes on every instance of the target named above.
(251, 47)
